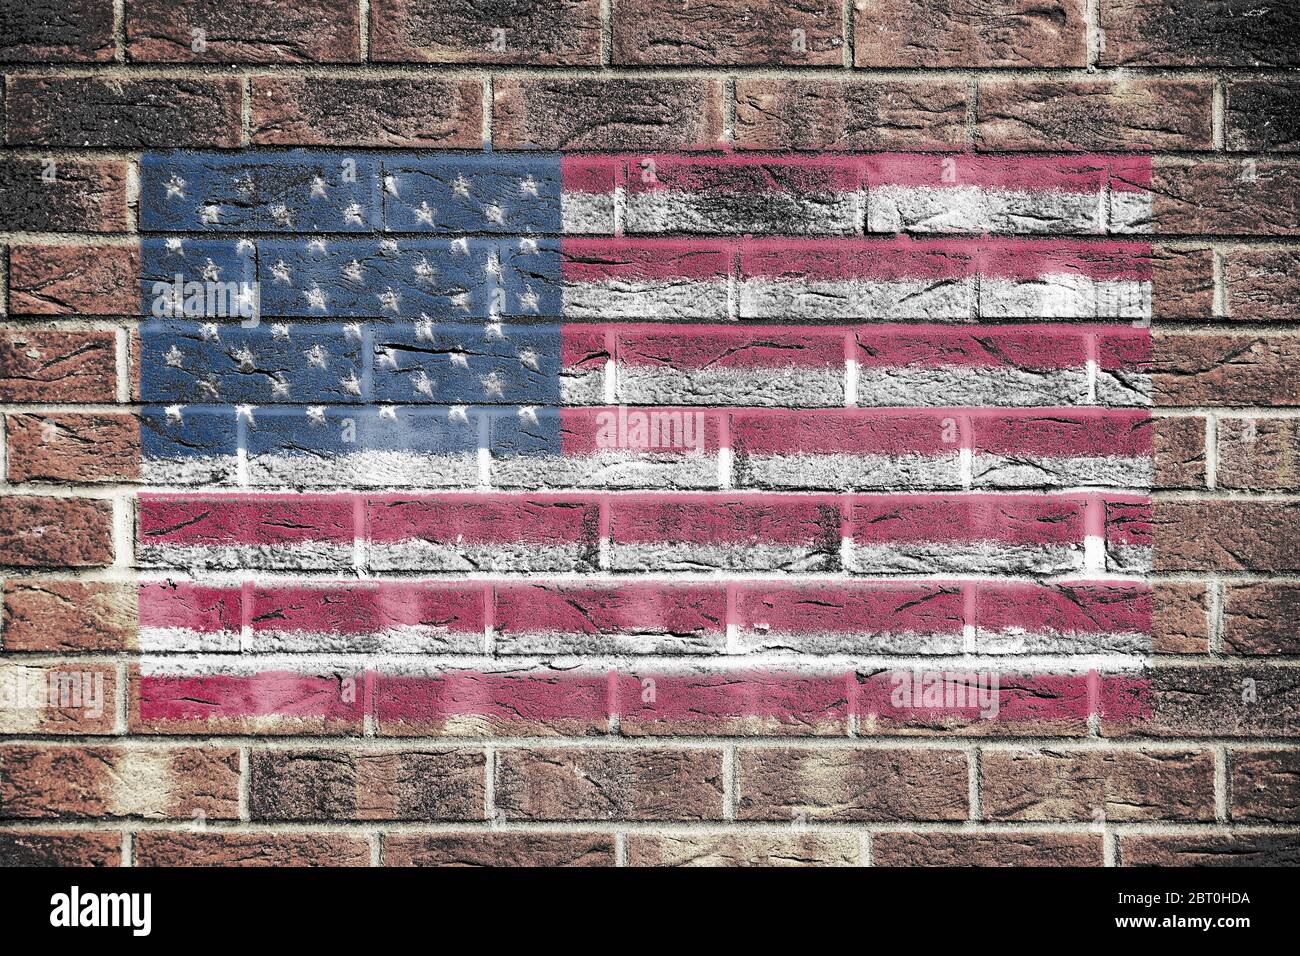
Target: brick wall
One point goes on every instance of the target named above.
(1207, 88)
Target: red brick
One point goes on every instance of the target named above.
(53, 616)
(294, 111)
(1179, 447)
(1230, 536)
(217, 848)
(63, 196)
(130, 114)
(1133, 115)
(1265, 785)
(1180, 619)
(1262, 454)
(1083, 786)
(1263, 284)
(367, 785)
(67, 698)
(1261, 618)
(1261, 115)
(1242, 699)
(791, 784)
(1225, 369)
(941, 33)
(679, 32)
(1182, 282)
(1218, 33)
(59, 848)
(591, 783)
(73, 446)
(867, 115)
(987, 849)
(541, 33)
(45, 365)
(743, 849)
(1246, 849)
(1202, 196)
(57, 31)
(40, 532)
(78, 280)
(243, 31)
(42, 782)
(618, 114)
(499, 849)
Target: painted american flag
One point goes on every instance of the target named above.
(537, 443)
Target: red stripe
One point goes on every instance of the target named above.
(482, 519)
(1095, 432)
(192, 606)
(1087, 608)
(850, 607)
(597, 260)
(1020, 519)
(1129, 522)
(584, 431)
(745, 174)
(610, 609)
(721, 519)
(1033, 347)
(230, 520)
(722, 346)
(1081, 174)
(367, 608)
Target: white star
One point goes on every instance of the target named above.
(390, 184)
(459, 413)
(422, 384)
(389, 300)
(244, 356)
(495, 213)
(245, 247)
(528, 187)
(352, 214)
(174, 357)
(460, 246)
(209, 330)
(174, 412)
(351, 384)
(246, 184)
(280, 272)
(245, 411)
(459, 358)
(279, 388)
(528, 413)
(424, 269)
(317, 188)
(461, 300)
(388, 356)
(528, 245)
(315, 297)
(210, 214)
(424, 213)
(211, 272)
(280, 331)
(354, 271)
(424, 329)
(209, 385)
(316, 414)
(316, 356)
(352, 331)
(176, 187)
(388, 411)
(492, 385)
(494, 330)
(461, 186)
(282, 215)
(388, 247)
(316, 246)
(528, 300)
(175, 246)
(529, 358)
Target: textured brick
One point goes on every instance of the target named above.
(1084, 786)
(44, 365)
(81, 280)
(1261, 618)
(38, 532)
(1179, 448)
(1200, 33)
(1262, 849)
(959, 33)
(1262, 115)
(59, 848)
(607, 114)
(602, 784)
(859, 784)
(499, 849)
(549, 32)
(672, 32)
(57, 698)
(1225, 369)
(1265, 785)
(1136, 115)
(242, 31)
(1179, 619)
(1259, 453)
(130, 114)
(742, 849)
(57, 31)
(1183, 282)
(41, 782)
(1256, 197)
(1227, 535)
(52, 616)
(217, 848)
(1263, 284)
(379, 785)
(293, 111)
(868, 115)
(64, 197)
(73, 446)
(1237, 700)
(987, 849)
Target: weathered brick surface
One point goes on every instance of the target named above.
(1225, 369)
(1258, 197)
(1227, 535)
(987, 849)
(1265, 785)
(1202, 33)
(1180, 452)
(54, 615)
(1262, 284)
(290, 111)
(1208, 701)
(1260, 618)
(216, 848)
(57, 699)
(73, 446)
(1093, 786)
(39, 532)
(242, 31)
(553, 32)
(57, 31)
(943, 33)
(743, 849)
(128, 114)
(1138, 114)
(1212, 850)
(811, 114)
(1180, 619)
(607, 114)
(47, 365)
(53, 196)
(59, 848)
(1261, 115)
(69, 280)
(1262, 453)
(671, 32)
(499, 849)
